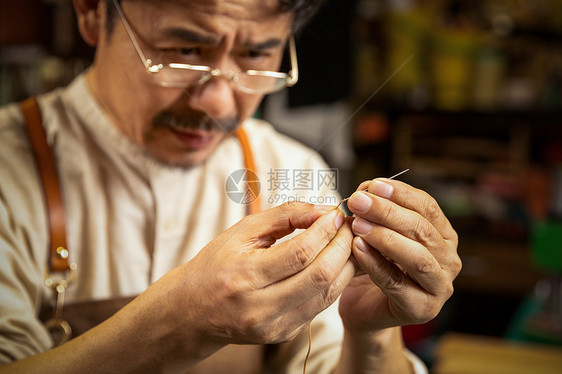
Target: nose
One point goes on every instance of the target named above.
(214, 97)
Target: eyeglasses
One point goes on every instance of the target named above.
(180, 75)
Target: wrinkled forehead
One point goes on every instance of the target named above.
(219, 17)
(249, 9)
(246, 5)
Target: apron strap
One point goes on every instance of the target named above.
(254, 205)
(86, 315)
(58, 252)
(45, 161)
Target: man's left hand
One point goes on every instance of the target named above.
(407, 250)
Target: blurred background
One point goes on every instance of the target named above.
(467, 94)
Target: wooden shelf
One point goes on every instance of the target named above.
(472, 354)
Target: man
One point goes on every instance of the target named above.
(143, 147)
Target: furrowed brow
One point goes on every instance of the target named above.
(191, 36)
(197, 38)
(267, 44)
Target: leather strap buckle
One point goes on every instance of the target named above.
(59, 329)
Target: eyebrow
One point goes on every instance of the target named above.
(198, 38)
(267, 44)
(190, 36)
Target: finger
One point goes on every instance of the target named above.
(419, 263)
(384, 273)
(416, 200)
(407, 298)
(293, 319)
(320, 301)
(292, 256)
(323, 280)
(266, 227)
(363, 186)
(409, 223)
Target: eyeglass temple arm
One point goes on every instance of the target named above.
(145, 61)
(294, 72)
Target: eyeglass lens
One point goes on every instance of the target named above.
(183, 75)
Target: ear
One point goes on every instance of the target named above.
(89, 13)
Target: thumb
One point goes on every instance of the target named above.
(272, 224)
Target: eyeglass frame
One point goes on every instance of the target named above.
(291, 78)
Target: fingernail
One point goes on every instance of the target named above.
(324, 208)
(340, 218)
(381, 189)
(361, 245)
(361, 226)
(359, 202)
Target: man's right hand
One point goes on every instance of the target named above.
(243, 289)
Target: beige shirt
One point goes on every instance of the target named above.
(129, 219)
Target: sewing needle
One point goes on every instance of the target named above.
(394, 176)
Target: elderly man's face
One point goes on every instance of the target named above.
(178, 126)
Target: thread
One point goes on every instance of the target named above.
(309, 348)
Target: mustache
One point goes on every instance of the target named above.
(194, 121)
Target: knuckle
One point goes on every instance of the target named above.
(324, 231)
(286, 334)
(394, 280)
(344, 241)
(303, 256)
(285, 208)
(251, 325)
(280, 332)
(291, 205)
(423, 231)
(291, 335)
(248, 323)
(388, 213)
(455, 238)
(331, 295)
(425, 264)
(449, 290)
(320, 236)
(388, 239)
(323, 277)
(231, 284)
(260, 328)
(457, 266)
(430, 208)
